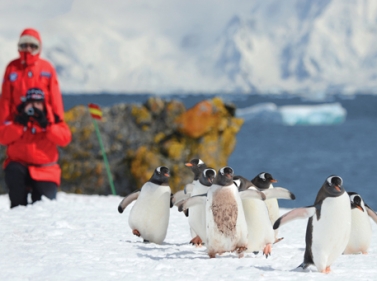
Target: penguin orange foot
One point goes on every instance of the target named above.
(267, 250)
(197, 241)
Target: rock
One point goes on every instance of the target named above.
(138, 138)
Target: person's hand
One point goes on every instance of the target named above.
(22, 118)
(40, 117)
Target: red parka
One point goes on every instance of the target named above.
(32, 145)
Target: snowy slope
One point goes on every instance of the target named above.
(80, 237)
(167, 46)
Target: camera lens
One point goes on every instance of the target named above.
(30, 111)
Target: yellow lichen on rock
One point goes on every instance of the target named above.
(141, 114)
(143, 165)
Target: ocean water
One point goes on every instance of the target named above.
(299, 157)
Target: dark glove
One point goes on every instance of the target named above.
(40, 117)
(22, 118)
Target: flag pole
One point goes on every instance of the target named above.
(98, 115)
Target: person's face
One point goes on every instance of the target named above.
(28, 47)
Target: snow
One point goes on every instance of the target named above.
(83, 237)
(166, 46)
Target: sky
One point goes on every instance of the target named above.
(83, 237)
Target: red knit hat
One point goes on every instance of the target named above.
(30, 35)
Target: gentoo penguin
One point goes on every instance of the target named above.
(264, 181)
(149, 217)
(329, 225)
(260, 233)
(361, 229)
(197, 166)
(197, 218)
(225, 219)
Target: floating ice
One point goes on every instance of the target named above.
(261, 112)
(321, 114)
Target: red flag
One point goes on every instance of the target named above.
(95, 111)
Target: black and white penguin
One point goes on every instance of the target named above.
(197, 218)
(264, 181)
(149, 216)
(226, 226)
(361, 229)
(329, 225)
(260, 233)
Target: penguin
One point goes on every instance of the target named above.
(197, 167)
(264, 181)
(329, 225)
(226, 225)
(361, 229)
(197, 218)
(149, 216)
(260, 233)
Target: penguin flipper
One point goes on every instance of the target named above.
(188, 188)
(279, 193)
(127, 201)
(192, 201)
(371, 213)
(179, 196)
(252, 193)
(299, 213)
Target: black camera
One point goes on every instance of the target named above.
(30, 111)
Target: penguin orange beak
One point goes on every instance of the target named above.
(273, 180)
(188, 165)
(167, 175)
(337, 188)
(229, 176)
(210, 180)
(360, 208)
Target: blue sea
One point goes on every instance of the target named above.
(300, 157)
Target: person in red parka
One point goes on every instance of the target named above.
(31, 123)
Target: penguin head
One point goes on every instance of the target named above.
(224, 176)
(207, 177)
(160, 176)
(242, 183)
(356, 201)
(263, 180)
(334, 185)
(197, 166)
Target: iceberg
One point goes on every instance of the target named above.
(262, 112)
(321, 114)
(291, 115)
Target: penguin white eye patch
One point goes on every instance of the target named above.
(262, 176)
(329, 179)
(223, 168)
(159, 169)
(205, 171)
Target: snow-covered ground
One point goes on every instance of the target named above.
(83, 237)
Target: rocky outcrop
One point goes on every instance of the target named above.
(140, 137)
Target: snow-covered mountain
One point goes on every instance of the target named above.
(165, 46)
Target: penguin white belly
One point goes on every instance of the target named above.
(332, 231)
(273, 212)
(197, 217)
(361, 233)
(151, 211)
(226, 225)
(259, 227)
